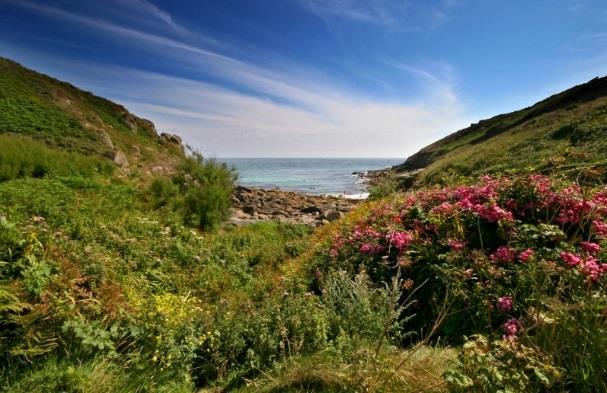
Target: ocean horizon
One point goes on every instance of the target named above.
(318, 176)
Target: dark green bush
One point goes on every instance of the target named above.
(201, 192)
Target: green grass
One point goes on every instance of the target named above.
(64, 117)
(534, 146)
(565, 134)
(22, 157)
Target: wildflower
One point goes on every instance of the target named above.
(400, 240)
(511, 328)
(526, 255)
(591, 248)
(504, 255)
(571, 259)
(600, 228)
(492, 213)
(504, 304)
(592, 269)
(445, 208)
(368, 248)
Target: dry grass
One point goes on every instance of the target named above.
(390, 370)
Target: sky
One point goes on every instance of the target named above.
(311, 78)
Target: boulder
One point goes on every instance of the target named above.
(334, 215)
(311, 209)
(170, 138)
(248, 209)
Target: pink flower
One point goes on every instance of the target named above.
(504, 304)
(571, 259)
(511, 328)
(591, 269)
(334, 253)
(492, 213)
(591, 248)
(526, 255)
(504, 254)
(367, 248)
(400, 240)
(600, 228)
(444, 208)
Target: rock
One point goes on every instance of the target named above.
(170, 138)
(321, 222)
(334, 215)
(248, 209)
(158, 170)
(311, 210)
(136, 151)
(107, 141)
(121, 160)
(251, 204)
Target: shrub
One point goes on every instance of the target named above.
(358, 309)
(500, 366)
(201, 192)
(507, 254)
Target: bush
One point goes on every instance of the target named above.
(519, 259)
(201, 192)
(500, 366)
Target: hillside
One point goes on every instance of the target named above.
(63, 117)
(561, 134)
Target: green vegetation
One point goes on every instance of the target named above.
(23, 157)
(64, 117)
(126, 278)
(564, 134)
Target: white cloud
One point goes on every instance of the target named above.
(270, 110)
(395, 14)
(148, 8)
(227, 123)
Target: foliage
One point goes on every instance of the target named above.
(359, 368)
(23, 157)
(506, 255)
(200, 192)
(561, 135)
(77, 132)
(500, 366)
(207, 187)
(130, 286)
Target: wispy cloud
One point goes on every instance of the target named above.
(394, 14)
(228, 123)
(269, 109)
(148, 8)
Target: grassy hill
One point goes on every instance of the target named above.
(565, 133)
(38, 108)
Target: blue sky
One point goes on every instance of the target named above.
(311, 78)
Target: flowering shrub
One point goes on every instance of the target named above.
(495, 249)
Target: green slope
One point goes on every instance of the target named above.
(565, 133)
(64, 117)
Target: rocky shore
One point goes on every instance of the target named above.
(254, 204)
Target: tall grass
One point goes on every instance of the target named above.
(23, 157)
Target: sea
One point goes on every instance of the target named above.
(318, 176)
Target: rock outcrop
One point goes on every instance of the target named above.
(253, 204)
(170, 138)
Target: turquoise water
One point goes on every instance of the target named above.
(309, 175)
